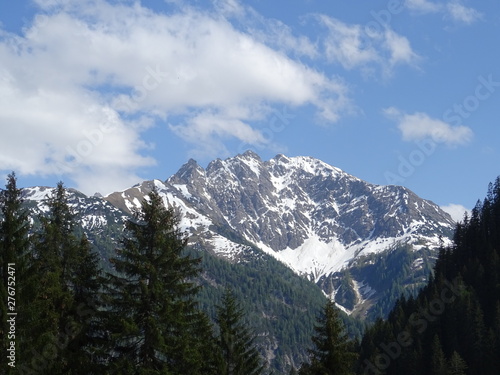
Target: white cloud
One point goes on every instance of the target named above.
(460, 13)
(456, 211)
(419, 126)
(85, 65)
(399, 49)
(279, 36)
(211, 127)
(271, 32)
(352, 46)
(230, 7)
(453, 10)
(54, 132)
(347, 44)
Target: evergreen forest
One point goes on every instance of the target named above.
(151, 310)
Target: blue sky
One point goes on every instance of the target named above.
(104, 94)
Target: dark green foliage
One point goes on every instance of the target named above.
(14, 250)
(87, 305)
(333, 352)
(451, 327)
(279, 305)
(63, 292)
(401, 271)
(238, 354)
(438, 360)
(153, 318)
(346, 296)
(457, 365)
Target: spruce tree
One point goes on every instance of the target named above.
(86, 282)
(239, 355)
(64, 288)
(14, 253)
(438, 361)
(333, 352)
(154, 324)
(457, 365)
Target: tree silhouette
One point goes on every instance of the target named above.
(333, 352)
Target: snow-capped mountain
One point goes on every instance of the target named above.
(101, 222)
(93, 213)
(362, 244)
(315, 218)
(310, 215)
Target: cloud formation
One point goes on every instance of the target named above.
(456, 211)
(352, 46)
(419, 125)
(460, 13)
(453, 10)
(86, 79)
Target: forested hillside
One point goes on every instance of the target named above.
(88, 280)
(155, 309)
(453, 325)
(141, 318)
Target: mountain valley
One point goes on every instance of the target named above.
(284, 233)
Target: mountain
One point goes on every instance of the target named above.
(323, 223)
(283, 234)
(279, 305)
(102, 222)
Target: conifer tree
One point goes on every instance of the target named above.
(86, 282)
(465, 288)
(14, 253)
(155, 325)
(63, 289)
(333, 353)
(438, 360)
(236, 342)
(457, 365)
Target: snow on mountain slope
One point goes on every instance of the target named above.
(93, 212)
(315, 218)
(310, 215)
(195, 224)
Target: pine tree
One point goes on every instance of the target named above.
(153, 317)
(457, 365)
(14, 253)
(64, 288)
(333, 353)
(87, 305)
(236, 342)
(438, 360)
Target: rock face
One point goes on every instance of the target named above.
(315, 218)
(312, 216)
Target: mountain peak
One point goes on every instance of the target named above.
(249, 154)
(311, 215)
(189, 171)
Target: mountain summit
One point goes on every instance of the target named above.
(314, 217)
(363, 244)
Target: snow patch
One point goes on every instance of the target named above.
(183, 189)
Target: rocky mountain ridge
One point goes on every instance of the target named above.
(310, 215)
(315, 218)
